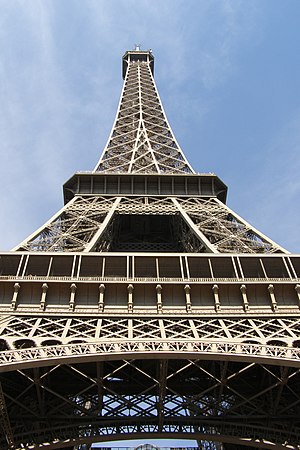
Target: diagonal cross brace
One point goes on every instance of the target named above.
(5, 422)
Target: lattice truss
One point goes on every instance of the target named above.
(224, 229)
(45, 330)
(80, 378)
(205, 225)
(199, 398)
(73, 228)
(141, 140)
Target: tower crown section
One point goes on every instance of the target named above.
(137, 55)
(141, 140)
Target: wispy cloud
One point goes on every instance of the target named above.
(44, 126)
(277, 187)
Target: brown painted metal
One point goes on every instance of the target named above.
(146, 307)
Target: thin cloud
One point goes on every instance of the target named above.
(274, 196)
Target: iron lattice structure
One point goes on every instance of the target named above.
(146, 307)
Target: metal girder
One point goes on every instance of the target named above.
(206, 242)
(80, 224)
(73, 227)
(163, 372)
(52, 331)
(5, 422)
(101, 338)
(141, 139)
(224, 386)
(200, 399)
(224, 230)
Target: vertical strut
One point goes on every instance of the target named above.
(163, 370)
(5, 422)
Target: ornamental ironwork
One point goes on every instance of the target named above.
(146, 307)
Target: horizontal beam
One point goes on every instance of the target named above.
(150, 266)
(11, 360)
(229, 433)
(192, 185)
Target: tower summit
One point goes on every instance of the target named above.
(137, 55)
(141, 140)
(146, 307)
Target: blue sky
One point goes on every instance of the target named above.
(227, 73)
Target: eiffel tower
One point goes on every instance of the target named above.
(146, 308)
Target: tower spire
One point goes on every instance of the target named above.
(141, 140)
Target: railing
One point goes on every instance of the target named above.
(148, 279)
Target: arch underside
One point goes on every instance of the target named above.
(240, 394)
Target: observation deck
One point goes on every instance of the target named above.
(137, 55)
